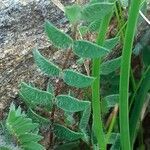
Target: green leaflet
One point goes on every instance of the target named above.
(70, 145)
(94, 25)
(45, 66)
(116, 142)
(110, 66)
(66, 134)
(32, 146)
(23, 129)
(4, 148)
(83, 30)
(58, 38)
(37, 118)
(35, 97)
(84, 121)
(28, 137)
(50, 89)
(71, 104)
(109, 102)
(73, 13)
(87, 49)
(76, 79)
(96, 11)
(111, 43)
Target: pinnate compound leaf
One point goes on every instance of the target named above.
(76, 79)
(96, 11)
(45, 66)
(22, 129)
(110, 66)
(71, 104)
(73, 13)
(35, 97)
(66, 134)
(111, 43)
(57, 37)
(87, 49)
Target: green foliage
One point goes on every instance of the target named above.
(76, 79)
(96, 11)
(76, 127)
(73, 13)
(23, 129)
(111, 43)
(35, 97)
(87, 49)
(110, 66)
(58, 38)
(45, 66)
(71, 104)
(109, 102)
(66, 134)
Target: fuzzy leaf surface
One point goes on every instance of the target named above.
(73, 13)
(57, 37)
(45, 65)
(111, 43)
(76, 79)
(71, 104)
(87, 49)
(35, 97)
(66, 134)
(96, 11)
(110, 66)
(23, 129)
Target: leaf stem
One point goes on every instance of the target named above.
(97, 117)
(125, 74)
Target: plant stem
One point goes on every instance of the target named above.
(97, 118)
(125, 74)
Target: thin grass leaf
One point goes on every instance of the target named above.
(35, 97)
(87, 49)
(96, 11)
(45, 65)
(57, 37)
(71, 104)
(110, 66)
(66, 134)
(140, 99)
(76, 79)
